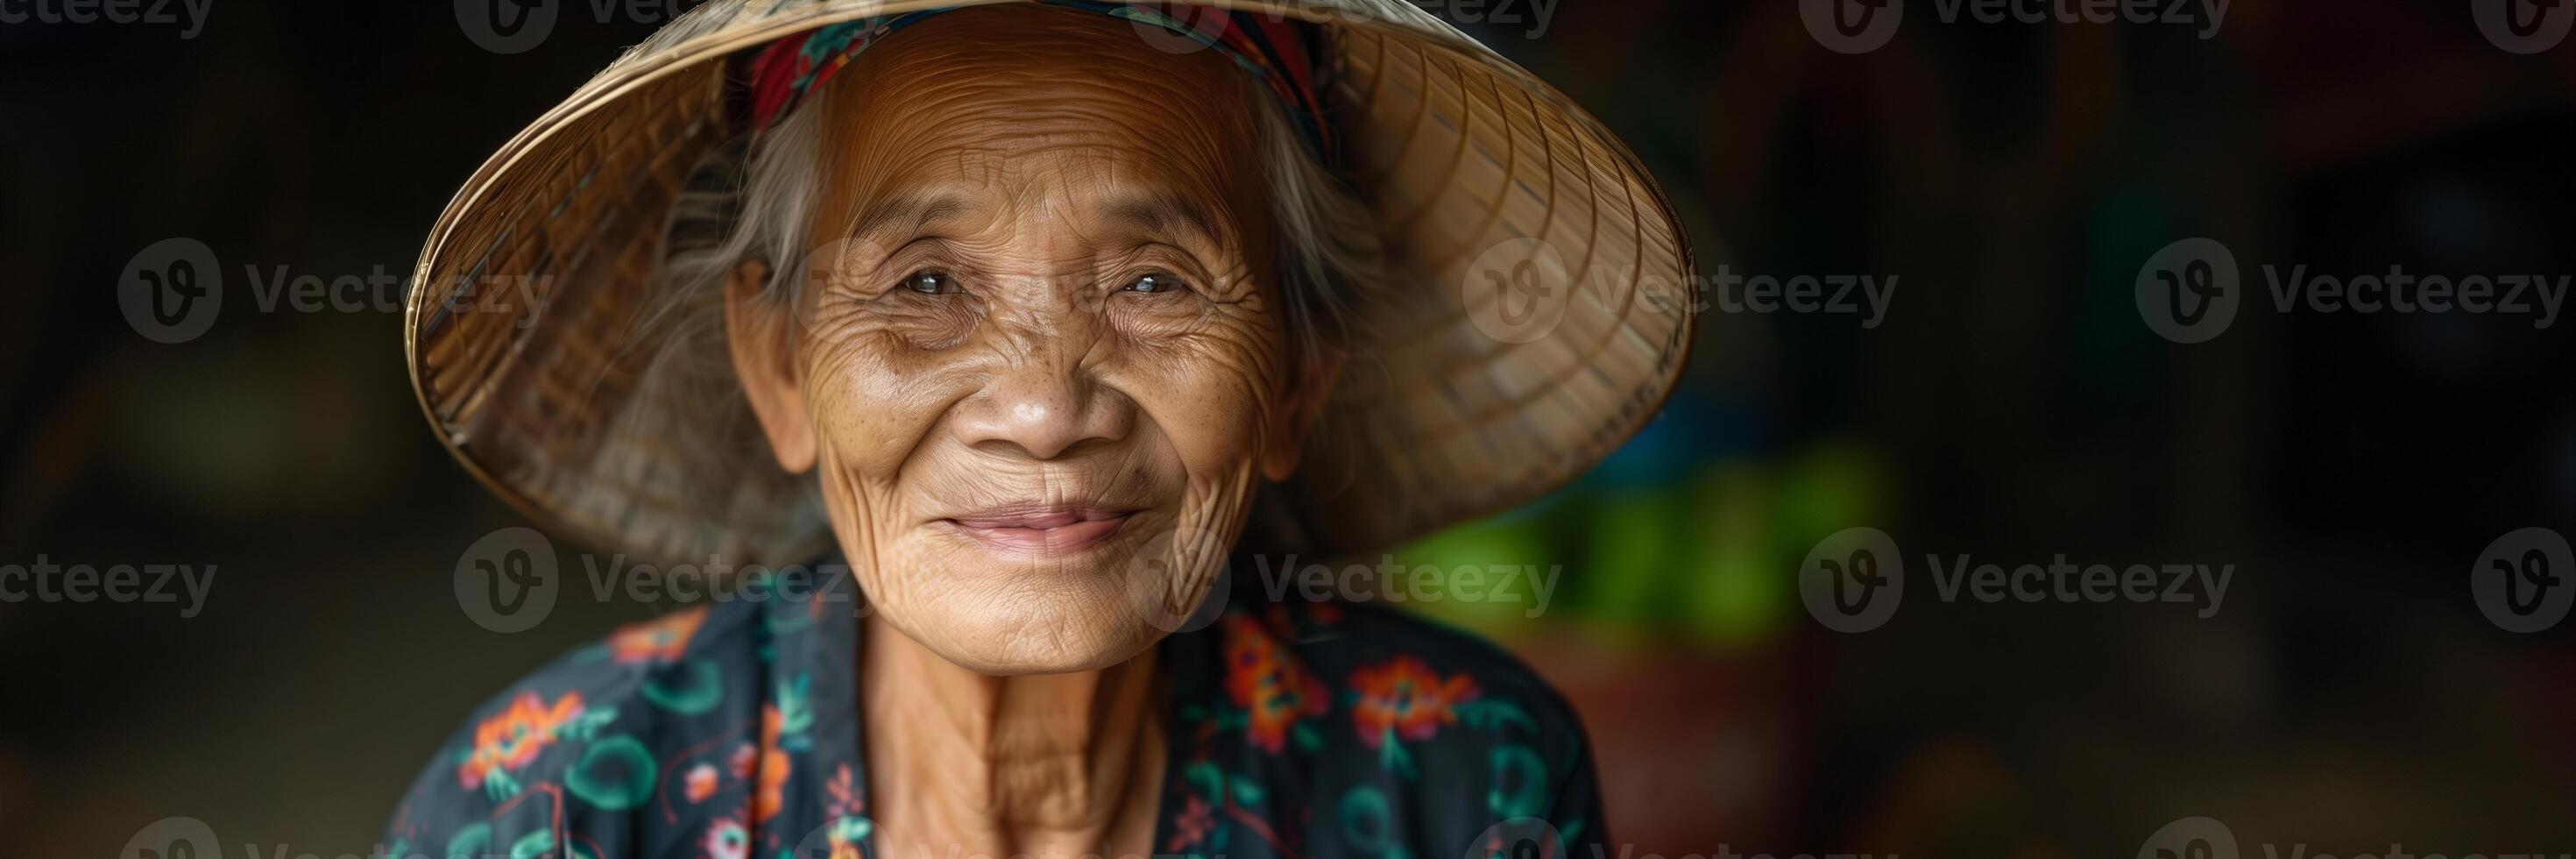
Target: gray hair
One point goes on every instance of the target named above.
(753, 200)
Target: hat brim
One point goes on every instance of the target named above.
(1550, 315)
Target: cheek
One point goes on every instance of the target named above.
(1211, 394)
(874, 402)
(876, 406)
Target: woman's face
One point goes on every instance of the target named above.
(1039, 360)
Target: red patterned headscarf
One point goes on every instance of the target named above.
(1273, 48)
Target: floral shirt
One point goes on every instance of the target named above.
(1299, 730)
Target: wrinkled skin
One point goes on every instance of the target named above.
(1054, 300)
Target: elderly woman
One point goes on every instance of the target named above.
(1028, 323)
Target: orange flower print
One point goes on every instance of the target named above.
(772, 794)
(744, 756)
(701, 782)
(1405, 698)
(1268, 682)
(659, 640)
(513, 737)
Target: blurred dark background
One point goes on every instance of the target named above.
(2011, 405)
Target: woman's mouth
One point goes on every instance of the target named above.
(1040, 529)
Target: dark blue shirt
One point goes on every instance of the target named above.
(1299, 730)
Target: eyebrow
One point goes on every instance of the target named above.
(921, 210)
(1159, 211)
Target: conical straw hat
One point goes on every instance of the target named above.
(1548, 310)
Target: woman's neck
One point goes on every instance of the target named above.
(963, 764)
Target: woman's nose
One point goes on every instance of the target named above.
(1043, 406)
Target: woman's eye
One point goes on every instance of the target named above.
(930, 283)
(1154, 284)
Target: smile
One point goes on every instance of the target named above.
(1040, 530)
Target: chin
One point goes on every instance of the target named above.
(1042, 630)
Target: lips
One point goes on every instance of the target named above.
(1040, 529)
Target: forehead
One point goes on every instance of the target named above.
(1025, 103)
